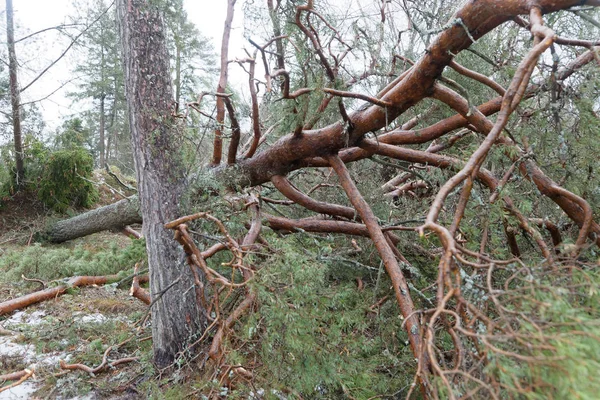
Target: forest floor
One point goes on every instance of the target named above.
(77, 327)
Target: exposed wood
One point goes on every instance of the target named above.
(132, 233)
(26, 374)
(136, 290)
(15, 376)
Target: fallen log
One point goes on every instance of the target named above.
(114, 216)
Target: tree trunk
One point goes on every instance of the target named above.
(176, 318)
(117, 215)
(102, 124)
(102, 159)
(15, 98)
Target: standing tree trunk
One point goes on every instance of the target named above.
(102, 159)
(101, 149)
(176, 318)
(15, 98)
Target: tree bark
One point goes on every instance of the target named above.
(113, 216)
(15, 98)
(176, 320)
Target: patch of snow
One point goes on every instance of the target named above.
(8, 348)
(89, 396)
(21, 317)
(91, 318)
(24, 391)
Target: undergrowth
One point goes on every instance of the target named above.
(314, 336)
(560, 357)
(47, 263)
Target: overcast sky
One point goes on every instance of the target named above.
(35, 15)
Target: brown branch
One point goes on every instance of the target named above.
(289, 191)
(24, 375)
(136, 290)
(235, 132)
(103, 366)
(51, 293)
(370, 99)
(316, 225)
(286, 85)
(552, 228)
(246, 304)
(478, 77)
(477, 19)
(389, 260)
(579, 62)
(14, 376)
(132, 233)
(313, 38)
(255, 112)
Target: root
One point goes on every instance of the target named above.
(100, 368)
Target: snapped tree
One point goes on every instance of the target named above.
(314, 85)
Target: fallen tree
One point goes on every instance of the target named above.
(114, 216)
(374, 130)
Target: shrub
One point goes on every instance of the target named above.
(64, 181)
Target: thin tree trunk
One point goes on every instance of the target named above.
(15, 98)
(176, 318)
(111, 129)
(102, 128)
(102, 104)
(218, 141)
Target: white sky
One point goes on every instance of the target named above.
(34, 15)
